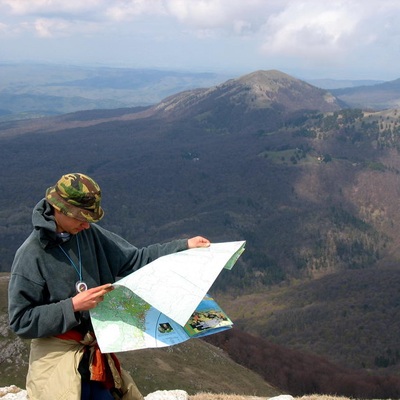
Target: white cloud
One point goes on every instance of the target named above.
(311, 29)
(223, 15)
(203, 18)
(300, 31)
(55, 28)
(329, 32)
(125, 10)
(196, 14)
(47, 28)
(46, 7)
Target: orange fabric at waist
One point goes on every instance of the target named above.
(103, 367)
(71, 335)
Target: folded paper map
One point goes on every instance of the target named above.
(165, 302)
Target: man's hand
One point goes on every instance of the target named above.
(90, 298)
(198, 241)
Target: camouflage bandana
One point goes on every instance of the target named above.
(77, 196)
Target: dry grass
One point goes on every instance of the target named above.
(209, 396)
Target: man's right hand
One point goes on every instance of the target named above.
(89, 299)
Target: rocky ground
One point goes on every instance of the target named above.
(14, 393)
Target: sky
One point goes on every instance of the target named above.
(310, 39)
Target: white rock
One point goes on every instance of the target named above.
(282, 397)
(12, 393)
(167, 395)
(15, 396)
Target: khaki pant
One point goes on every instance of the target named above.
(53, 371)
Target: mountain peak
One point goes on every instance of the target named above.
(272, 93)
(268, 88)
(262, 76)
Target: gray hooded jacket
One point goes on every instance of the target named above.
(43, 278)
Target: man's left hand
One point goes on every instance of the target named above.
(198, 241)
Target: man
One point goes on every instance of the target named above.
(62, 270)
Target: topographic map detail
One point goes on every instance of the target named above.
(151, 306)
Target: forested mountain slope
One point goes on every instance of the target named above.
(310, 184)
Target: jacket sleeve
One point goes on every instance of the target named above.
(29, 317)
(126, 258)
(33, 311)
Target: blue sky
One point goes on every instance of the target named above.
(354, 39)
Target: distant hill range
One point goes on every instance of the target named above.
(311, 183)
(38, 90)
(342, 83)
(381, 96)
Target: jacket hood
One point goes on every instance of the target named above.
(44, 224)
